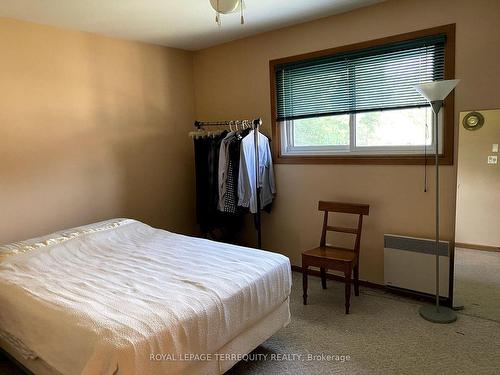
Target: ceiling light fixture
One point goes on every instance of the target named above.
(227, 7)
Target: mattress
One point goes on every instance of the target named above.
(222, 361)
(105, 299)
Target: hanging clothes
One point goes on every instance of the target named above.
(213, 160)
(231, 194)
(226, 186)
(201, 149)
(247, 184)
(229, 163)
(223, 170)
(207, 192)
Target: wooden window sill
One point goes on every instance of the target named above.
(363, 159)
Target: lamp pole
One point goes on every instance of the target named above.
(436, 107)
(436, 92)
(437, 314)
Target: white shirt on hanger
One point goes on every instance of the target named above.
(247, 184)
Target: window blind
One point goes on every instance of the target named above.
(376, 78)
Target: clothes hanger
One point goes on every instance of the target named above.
(198, 133)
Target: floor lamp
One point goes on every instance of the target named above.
(435, 93)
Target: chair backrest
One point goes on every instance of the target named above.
(346, 208)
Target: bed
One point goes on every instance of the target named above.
(121, 297)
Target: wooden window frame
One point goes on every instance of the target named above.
(445, 158)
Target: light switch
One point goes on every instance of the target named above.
(494, 148)
(492, 159)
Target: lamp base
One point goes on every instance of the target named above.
(443, 316)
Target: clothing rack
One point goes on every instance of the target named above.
(255, 125)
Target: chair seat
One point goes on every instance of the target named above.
(332, 253)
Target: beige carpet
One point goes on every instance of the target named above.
(383, 335)
(477, 283)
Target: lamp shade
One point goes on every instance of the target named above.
(437, 90)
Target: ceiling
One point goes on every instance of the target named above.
(186, 24)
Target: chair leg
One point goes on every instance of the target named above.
(304, 282)
(356, 280)
(347, 275)
(323, 277)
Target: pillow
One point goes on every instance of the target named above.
(36, 243)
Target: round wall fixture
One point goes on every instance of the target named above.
(473, 121)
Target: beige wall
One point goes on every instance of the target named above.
(92, 128)
(478, 193)
(232, 81)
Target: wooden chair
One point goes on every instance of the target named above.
(336, 258)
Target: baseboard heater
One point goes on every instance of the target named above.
(410, 265)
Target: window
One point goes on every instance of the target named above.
(400, 131)
(358, 104)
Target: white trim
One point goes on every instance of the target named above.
(288, 148)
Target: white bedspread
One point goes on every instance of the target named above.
(105, 301)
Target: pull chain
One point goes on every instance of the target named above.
(217, 15)
(420, 67)
(425, 149)
(242, 19)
